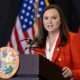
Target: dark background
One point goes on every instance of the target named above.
(8, 12)
(71, 9)
(10, 8)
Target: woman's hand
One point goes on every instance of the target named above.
(67, 72)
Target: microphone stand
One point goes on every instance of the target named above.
(33, 48)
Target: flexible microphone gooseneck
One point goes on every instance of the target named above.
(30, 42)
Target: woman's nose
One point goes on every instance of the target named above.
(50, 20)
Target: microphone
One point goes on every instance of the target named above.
(33, 41)
(30, 42)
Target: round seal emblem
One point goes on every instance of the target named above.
(9, 62)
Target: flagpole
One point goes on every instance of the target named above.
(36, 10)
(36, 25)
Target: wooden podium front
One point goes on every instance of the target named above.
(36, 67)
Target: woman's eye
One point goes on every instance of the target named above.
(46, 18)
(53, 17)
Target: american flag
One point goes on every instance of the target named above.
(26, 23)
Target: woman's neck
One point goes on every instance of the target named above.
(52, 35)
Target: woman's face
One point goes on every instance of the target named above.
(51, 20)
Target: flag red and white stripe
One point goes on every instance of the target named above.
(26, 24)
(18, 35)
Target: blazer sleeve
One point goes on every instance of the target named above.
(75, 52)
(76, 74)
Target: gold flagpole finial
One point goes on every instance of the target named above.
(47, 2)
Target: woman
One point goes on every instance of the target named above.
(59, 45)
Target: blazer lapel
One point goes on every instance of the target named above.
(56, 50)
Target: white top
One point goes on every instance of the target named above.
(49, 53)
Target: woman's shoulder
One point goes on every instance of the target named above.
(73, 35)
(74, 38)
(74, 45)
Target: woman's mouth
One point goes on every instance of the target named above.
(50, 26)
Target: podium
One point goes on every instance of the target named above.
(36, 67)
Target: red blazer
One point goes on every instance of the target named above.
(68, 55)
